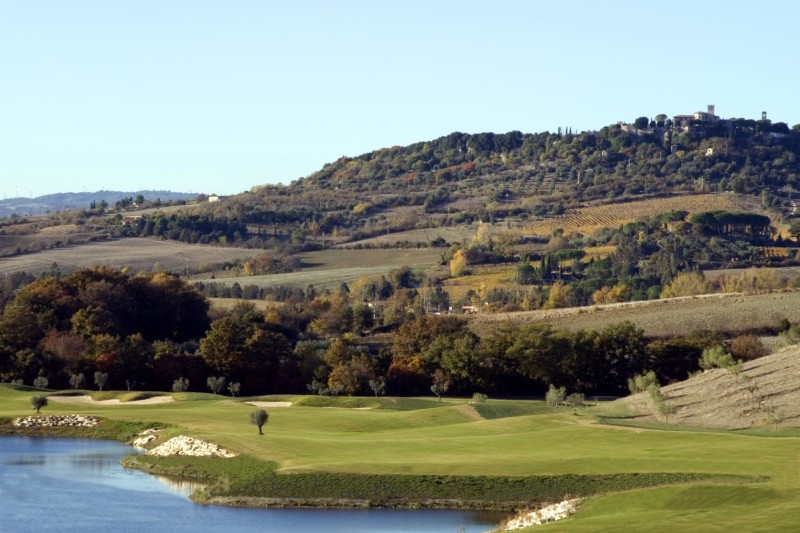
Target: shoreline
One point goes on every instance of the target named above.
(256, 502)
(244, 481)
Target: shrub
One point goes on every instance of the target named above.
(259, 417)
(76, 381)
(479, 397)
(378, 386)
(791, 336)
(180, 385)
(642, 382)
(576, 400)
(40, 382)
(100, 379)
(215, 383)
(440, 383)
(716, 357)
(660, 401)
(748, 347)
(38, 402)
(555, 396)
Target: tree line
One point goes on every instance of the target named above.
(153, 331)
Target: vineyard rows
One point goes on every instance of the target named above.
(777, 252)
(586, 220)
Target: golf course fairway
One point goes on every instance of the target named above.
(632, 478)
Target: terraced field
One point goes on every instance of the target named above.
(587, 220)
(138, 255)
(450, 234)
(671, 317)
(328, 269)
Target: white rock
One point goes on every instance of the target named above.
(183, 445)
(56, 420)
(551, 513)
(143, 441)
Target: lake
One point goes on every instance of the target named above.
(54, 484)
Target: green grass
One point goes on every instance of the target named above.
(245, 477)
(490, 448)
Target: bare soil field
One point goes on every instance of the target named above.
(587, 220)
(766, 392)
(450, 234)
(330, 268)
(670, 317)
(46, 238)
(789, 274)
(138, 255)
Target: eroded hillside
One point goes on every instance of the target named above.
(765, 392)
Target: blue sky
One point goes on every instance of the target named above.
(219, 97)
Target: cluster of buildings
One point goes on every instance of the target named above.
(683, 123)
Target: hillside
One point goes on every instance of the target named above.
(68, 201)
(522, 177)
(765, 392)
(674, 317)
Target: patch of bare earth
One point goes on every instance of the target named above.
(668, 317)
(139, 255)
(270, 404)
(90, 400)
(765, 393)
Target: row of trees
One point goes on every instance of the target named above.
(152, 331)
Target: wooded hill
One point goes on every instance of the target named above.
(495, 177)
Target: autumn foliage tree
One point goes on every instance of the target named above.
(90, 319)
(409, 369)
(248, 350)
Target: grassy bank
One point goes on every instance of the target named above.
(458, 454)
(247, 481)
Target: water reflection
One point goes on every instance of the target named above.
(67, 485)
(181, 486)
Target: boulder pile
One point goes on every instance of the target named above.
(144, 438)
(56, 420)
(551, 513)
(183, 445)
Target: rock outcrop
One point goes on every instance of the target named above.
(144, 438)
(56, 420)
(183, 445)
(551, 513)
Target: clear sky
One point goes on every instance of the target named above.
(220, 96)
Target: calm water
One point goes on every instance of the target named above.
(72, 485)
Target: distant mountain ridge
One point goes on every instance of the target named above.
(78, 200)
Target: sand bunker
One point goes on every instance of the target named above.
(90, 400)
(270, 404)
